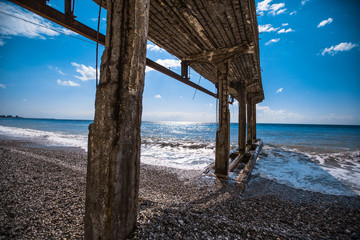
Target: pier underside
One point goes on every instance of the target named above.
(218, 39)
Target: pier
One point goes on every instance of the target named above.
(218, 39)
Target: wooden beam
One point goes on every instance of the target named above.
(220, 55)
(176, 76)
(242, 119)
(69, 22)
(113, 171)
(223, 132)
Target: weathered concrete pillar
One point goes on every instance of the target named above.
(112, 183)
(249, 121)
(223, 132)
(254, 122)
(242, 119)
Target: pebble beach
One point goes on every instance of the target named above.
(42, 192)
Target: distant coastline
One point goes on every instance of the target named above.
(9, 116)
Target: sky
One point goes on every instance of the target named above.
(309, 57)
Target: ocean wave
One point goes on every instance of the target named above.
(46, 137)
(331, 173)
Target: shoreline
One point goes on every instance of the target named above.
(43, 196)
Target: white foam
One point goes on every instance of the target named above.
(308, 171)
(46, 137)
(177, 157)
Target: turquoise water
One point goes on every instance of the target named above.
(324, 158)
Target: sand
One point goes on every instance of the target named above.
(42, 193)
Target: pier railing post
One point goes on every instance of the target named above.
(249, 121)
(242, 119)
(223, 132)
(254, 121)
(112, 183)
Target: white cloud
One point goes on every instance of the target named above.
(154, 48)
(67, 83)
(284, 24)
(292, 13)
(87, 73)
(303, 2)
(277, 8)
(272, 41)
(2, 86)
(267, 28)
(273, 9)
(166, 63)
(279, 90)
(263, 6)
(324, 22)
(341, 47)
(286, 31)
(12, 25)
(2, 42)
(56, 69)
(158, 96)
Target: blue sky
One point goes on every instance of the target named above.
(309, 50)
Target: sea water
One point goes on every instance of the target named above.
(322, 158)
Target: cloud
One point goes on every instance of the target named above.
(158, 96)
(284, 24)
(2, 86)
(56, 69)
(168, 63)
(292, 13)
(277, 8)
(154, 48)
(303, 2)
(324, 22)
(267, 28)
(341, 47)
(286, 31)
(272, 41)
(272, 9)
(67, 83)
(2, 42)
(268, 115)
(11, 23)
(279, 90)
(87, 73)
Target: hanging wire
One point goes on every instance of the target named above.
(195, 88)
(97, 45)
(52, 29)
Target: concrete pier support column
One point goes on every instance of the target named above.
(254, 121)
(223, 132)
(112, 183)
(249, 121)
(242, 119)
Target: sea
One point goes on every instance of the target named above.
(320, 158)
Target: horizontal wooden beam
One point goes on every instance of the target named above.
(67, 21)
(166, 71)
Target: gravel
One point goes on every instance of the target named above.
(42, 193)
